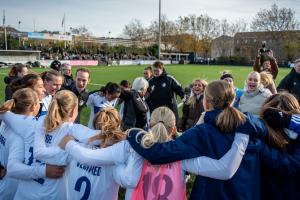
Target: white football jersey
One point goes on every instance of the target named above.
(91, 182)
(47, 150)
(8, 186)
(97, 103)
(45, 105)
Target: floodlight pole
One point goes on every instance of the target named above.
(159, 29)
(65, 35)
(19, 35)
(4, 26)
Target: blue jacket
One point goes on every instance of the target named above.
(207, 140)
(280, 172)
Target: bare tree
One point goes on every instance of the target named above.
(135, 31)
(230, 29)
(81, 31)
(206, 30)
(223, 45)
(168, 30)
(275, 19)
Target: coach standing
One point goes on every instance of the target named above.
(82, 79)
(163, 89)
(291, 82)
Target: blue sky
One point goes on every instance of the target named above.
(104, 16)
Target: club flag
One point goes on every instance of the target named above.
(63, 21)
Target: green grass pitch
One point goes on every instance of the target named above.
(185, 74)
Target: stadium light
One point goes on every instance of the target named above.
(5, 36)
(159, 29)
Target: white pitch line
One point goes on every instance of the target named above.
(98, 84)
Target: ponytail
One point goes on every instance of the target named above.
(162, 122)
(229, 119)
(287, 104)
(158, 133)
(7, 106)
(221, 95)
(53, 118)
(62, 106)
(21, 101)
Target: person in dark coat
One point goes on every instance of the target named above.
(193, 106)
(213, 138)
(135, 107)
(17, 71)
(163, 89)
(291, 82)
(266, 62)
(276, 183)
(79, 87)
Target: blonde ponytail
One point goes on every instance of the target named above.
(61, 107)
(21, 101)
(162, 122)
(7, 106)
(53, 118)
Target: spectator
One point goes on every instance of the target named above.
(226, 76)
(66, 70)
(17, 71)
(148, 73)
(266, 62)
(163, 89)
(254, 95)
(135, 106)
(79, 88)
(56, 64)
(193, 106)
(291, 82)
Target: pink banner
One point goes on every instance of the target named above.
(83, 62)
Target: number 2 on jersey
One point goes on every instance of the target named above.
(87, 190)
(30, 161)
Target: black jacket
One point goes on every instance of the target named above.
(8, 91)
(291, 83)
(82, 98)
(163, 91)
(191, 114)
(68, 82)
(135, 110)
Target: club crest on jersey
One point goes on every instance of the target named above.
(163, 84)
(152, 88)
(81, 102)
(48, 138)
